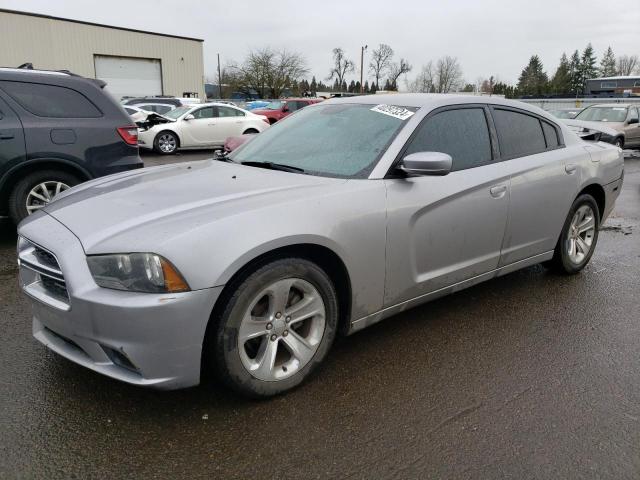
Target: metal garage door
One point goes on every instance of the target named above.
(126, 76)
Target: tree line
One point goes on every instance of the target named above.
(273, 73)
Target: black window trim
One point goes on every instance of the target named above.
(493, 139)
(540, 118)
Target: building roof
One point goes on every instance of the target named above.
(627, 77)
(39, 15)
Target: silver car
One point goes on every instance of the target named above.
(337, 217)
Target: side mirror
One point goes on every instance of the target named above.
(632, 121)
(426, 163)
(285, 109)
(189, 117)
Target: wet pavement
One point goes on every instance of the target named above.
(531, 375)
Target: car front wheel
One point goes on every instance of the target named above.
(276, 327)
(579, 236)
(166, 143)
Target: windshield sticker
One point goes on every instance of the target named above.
(393, 111)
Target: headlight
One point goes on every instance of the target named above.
(136, 272)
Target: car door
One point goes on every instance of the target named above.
(632, 127)
(200, 130)
(230, 123)
(545, 177)
(12, 147)
(443, 230)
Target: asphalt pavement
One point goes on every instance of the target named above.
(532, 375)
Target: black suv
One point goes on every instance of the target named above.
(57, 130)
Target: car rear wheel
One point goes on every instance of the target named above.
(37, 190)
(275, 329)
(250, 131)
(166, 143)
(619, 142)
(579, 236)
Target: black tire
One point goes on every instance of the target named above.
(156, 142)
(222, 343)
(250, 131)
(561, 262)
(18, 196)
(619, 142)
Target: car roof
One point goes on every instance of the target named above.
(431, 100)
(608, 105)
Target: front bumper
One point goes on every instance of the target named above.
(142, 339)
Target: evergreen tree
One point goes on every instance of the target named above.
(588, 67)
(387, 85)
(336, 85)
(575, 81)
(314, 85)
(608, 64)
(533, 80)
(561, 82)
(366, 86)
(357, 89)
(344, 86)
(469, 87)
(374, 88)
(352, 87)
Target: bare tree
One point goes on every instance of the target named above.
(442, 77)
(627, 64)
(380, 61)
(396, 70)
(448, 74)
(341, 66)
(488, 84)
(267, 71)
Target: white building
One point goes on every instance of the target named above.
(132, 62)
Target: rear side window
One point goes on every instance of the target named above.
(519, 134)
(51, 100)
(229, 112)
(550, 135)
(462, 133)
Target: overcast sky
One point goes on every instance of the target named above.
(489, 37)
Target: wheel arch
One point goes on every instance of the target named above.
(597, 192)
(165, 129)
(30, 166)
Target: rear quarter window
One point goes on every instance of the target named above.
(50, 100)
(519, 134)
(550, 135)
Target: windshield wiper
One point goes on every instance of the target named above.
(275, 166)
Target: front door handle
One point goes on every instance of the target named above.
(498, 191)
(6, 136)
(570, 168)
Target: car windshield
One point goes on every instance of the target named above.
(176, 112)
(603, 114)
(274, 106)
(562, 113)
(339, 140)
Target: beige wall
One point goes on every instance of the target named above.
(57, 44)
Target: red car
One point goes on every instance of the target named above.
(278, 109)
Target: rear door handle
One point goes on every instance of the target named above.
(570, 168)
(498, 191)
(6, 136)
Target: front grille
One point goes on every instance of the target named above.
(47, 274)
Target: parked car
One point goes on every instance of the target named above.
(162, 100)
(160, 108)
(256, 104)
(622, 117)
(341, 216)
(278, 109)
(57, 130)
(565, 112)
(595, 131)
(202, 126)
(232, 143)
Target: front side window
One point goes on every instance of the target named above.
(633, 114)
(335, 140)
(207, 112)
(519, 134)
(51, 100)
(462, 133)
(603, 114)
(277, 105)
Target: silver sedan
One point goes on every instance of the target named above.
(335, 218)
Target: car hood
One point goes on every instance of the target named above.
(583, 128)
(173, 197)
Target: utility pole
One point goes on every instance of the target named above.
(362, 49)
(219, 79)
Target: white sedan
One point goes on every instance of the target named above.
(199, 126)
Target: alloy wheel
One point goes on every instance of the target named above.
(581, 234)
(282, 329)
(167, 143)
(42, 194)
